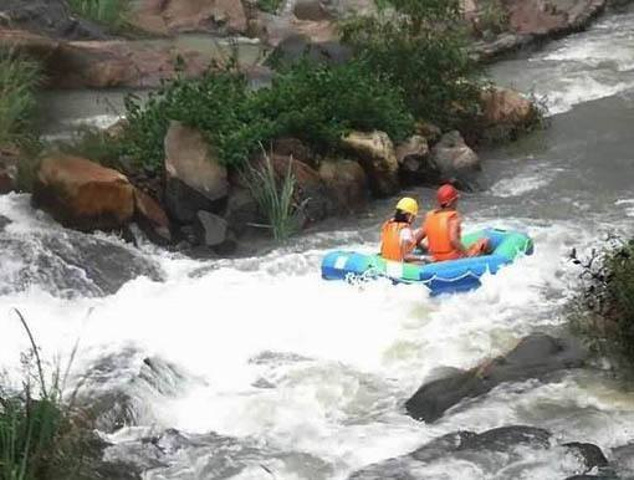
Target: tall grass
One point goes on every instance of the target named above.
(275, 196)
(111, 13)
(19, 79)
(35, 424)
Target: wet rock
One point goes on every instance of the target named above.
(299, 46)
(452, 160)
(48, 17)
(194, 179)
(505, 113)
(534, 357)
(83, 195)
(151, 218)
(376, 155)
(313, 10)
(210, 229)
(592, 455)
(413, 161)
(219, 17)
(347, 183)
(4, 221)
(242, 210)
(7, 181)
(490, 453)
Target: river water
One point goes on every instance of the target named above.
(268, 372)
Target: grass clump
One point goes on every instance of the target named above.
(603, 313)
(315, 103)
(421, 47)
(19, 79)
(111, 13)
(94, 144)
(275, 196)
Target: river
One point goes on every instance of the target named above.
(268, 372)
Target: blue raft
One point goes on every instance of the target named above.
(441, 277)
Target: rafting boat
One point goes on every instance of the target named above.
(439, 277)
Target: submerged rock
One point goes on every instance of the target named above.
(516, 451)
(534, 357)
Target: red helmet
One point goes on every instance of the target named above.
(446, 194)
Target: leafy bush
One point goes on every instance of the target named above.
(421, 46)
(317, 104)
(269, 6)
(604, 311)
(19, 78)
(107, 12)
(94, 144)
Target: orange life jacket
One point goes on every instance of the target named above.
(437, 232)
(391, 240)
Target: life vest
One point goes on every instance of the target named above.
(437, 232)
(391, 240)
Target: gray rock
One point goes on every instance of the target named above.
(534, 357)
(312, 10)
(242, 210)
(211, 229)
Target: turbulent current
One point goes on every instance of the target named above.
(255, 368)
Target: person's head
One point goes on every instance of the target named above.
(447, 196)
(406, 210)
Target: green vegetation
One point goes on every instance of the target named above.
(106, 12)
(492, 17)
(269, 6)
(275, 196)
(19, 78)
(315, 103)
(421, 46)
(94, 144)
(38, 438)
(604, 312)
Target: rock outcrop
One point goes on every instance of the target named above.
(534, 357)
(505, 113)
(162, 17)
(376, 155)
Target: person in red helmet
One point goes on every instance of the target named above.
(442, 228)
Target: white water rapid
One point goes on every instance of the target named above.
(276, 374)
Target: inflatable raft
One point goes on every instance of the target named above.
(440, 277)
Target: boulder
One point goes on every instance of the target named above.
(453, 161)
(412, 157)
(151, 218)
(219, 17)
(7, 180)
(194, 178)
(83, 195)
(347, 183)
(376, 155)
(299, 46)
(506, 112)
(312, 10)
(293, 147)
(534, 357)
(242, 210)
(210, 229)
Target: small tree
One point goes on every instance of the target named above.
(420, 45)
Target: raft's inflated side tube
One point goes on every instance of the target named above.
(440, 277)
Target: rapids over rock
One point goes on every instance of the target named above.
(254, 368)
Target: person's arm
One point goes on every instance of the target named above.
(454, 235)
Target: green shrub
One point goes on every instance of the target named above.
(492, 16)
(107, 12)
(94, 144)
(604, 311)
(314, 103)
(421, 46)
(269, 6)
(19, 78)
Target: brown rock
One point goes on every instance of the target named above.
(83, 195)
(312, 10)
(412, 156)
(151, 218)
(178, 16)
(293, 147)
(194, 178)
(347, 183)
(375, 152)
(7, 181)
(452, 154)
(505, 112)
